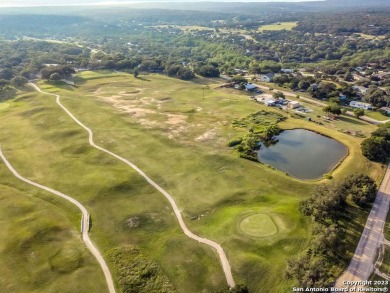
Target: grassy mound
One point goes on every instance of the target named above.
(259, 225)
(67, 259)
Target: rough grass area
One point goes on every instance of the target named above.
(137, 274)
(258, 121)
(179, 139)
(376, 115)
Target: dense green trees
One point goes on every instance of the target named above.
(325, 203)
(327, 206)
(208, 71)
(239, 79)
(57, 72)
(19, 81)
(377, 97)
(332, 108)
(377, 147)
(360, 187)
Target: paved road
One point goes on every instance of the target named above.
(224, 261)
(84, 222)
(362, 263)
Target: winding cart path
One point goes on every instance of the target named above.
(221, 253)
(84, 222)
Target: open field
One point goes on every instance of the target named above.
(179, 139)
(376, 115)
(278, 26)
(371, 37)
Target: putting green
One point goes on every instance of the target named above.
(259, 225)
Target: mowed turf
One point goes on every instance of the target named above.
(259, 225)
(278, 26)
(178, 138)
(40, 249)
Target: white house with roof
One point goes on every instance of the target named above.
(267, 77)
(250, 87)
(270, 102)
(287, 70)
(293, 104)
(386, 110)
(360, 89)
(360, 105)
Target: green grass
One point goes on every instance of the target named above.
(180, 140)
(259, 225)
(40, 249)
(4, 106)
(386, 229)
(376, 115)
(385, 267)
(278, 26)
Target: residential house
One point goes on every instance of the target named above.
(287, 70)
(293, 105)
(269, 102)
(386, 110)
(360, 89)
(267, 77)
(250, 87)
(342, 97)
(360, 105)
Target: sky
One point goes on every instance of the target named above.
(21, 3)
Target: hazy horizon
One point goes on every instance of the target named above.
(27, 3)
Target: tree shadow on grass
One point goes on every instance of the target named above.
(61, 85)
(78, 80)
(351, 120)
(7, 94)
(142, 78)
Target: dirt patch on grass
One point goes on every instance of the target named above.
(208, 135)
(175, 119)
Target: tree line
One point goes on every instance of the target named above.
(328, 208)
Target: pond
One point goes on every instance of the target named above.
(303, 154)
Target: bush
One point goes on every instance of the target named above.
(138, 274)
(375, 149)
(328, 176)
(235, 141)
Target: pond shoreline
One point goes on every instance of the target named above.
(315, 162)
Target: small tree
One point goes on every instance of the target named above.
(278, 95)
(136, 72)
(55, 76)
(239, 79)
(358, 112)
(19, 81)
(332, 108)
